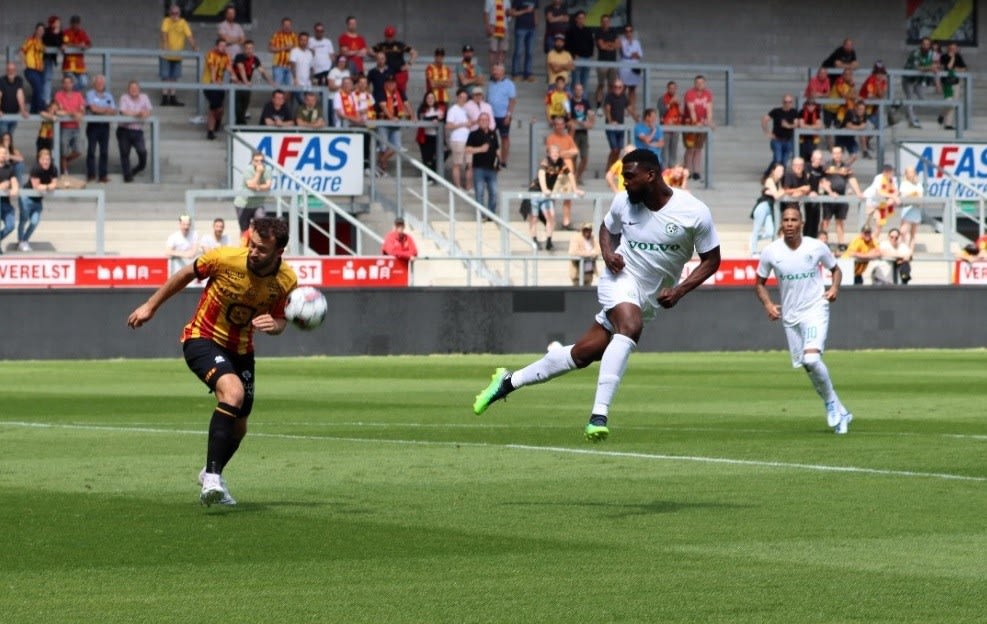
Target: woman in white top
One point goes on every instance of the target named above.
(911, 214)
(630, 50)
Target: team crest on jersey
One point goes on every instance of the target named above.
(671, 229)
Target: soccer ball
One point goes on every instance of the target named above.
(306, 307)
(552, 346)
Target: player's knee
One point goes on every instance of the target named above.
(229, 390)
(811, 359)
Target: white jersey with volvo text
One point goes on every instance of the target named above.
(799, 277)
(656, 245)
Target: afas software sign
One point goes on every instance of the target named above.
(966, 162)
(329, 162)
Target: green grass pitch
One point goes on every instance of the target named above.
(369, 492)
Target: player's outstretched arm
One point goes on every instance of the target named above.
(178, 281)
(709, 262)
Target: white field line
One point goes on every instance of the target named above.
(523, 447)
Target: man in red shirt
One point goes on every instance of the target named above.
(399, 244)
(699, 112)
(74, 62)
(70, 107)
(353, 46)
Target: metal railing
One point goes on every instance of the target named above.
(81, 194)
(106, 56)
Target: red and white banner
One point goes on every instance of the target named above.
(970, 273)
(334, 272)
(731, 273)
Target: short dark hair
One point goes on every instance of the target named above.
(266, 227)
(644, 157)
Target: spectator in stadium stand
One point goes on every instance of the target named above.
(699, 112)
(399, 55)
(483, 145)
(843, 57)
(819, 85)
(496, 21)
(476, 106)
(215, 73)
(438, 77)
(280, 45)
(862, 249)
(230, 31)
(322, 52)
(556, 23)
(920, 59)
(52, 40)
(817, 186)
(580, 43)
(43, 179)
(309, 114)
(973, 252)
(763, 213)
(615, 174)
(394, 107)
(245, 66)
(559, 61)
(99, 101)
(175, 33)
(33, 51)
(182, 245)
(647, 132)
(14, 156)
(875, 87)
(75, 42)
(839, 177)
(344, 105)
(630, 51)
(71, 106)
(502, 95)
(377, 76)
(587, 249)
(670, 113)
(607, 48)
(257, 178)
(218, 237)
(334, 81)
(559, 137)
(301, 58)
(130, 134)
(676, 176)
(433, 111)
(615, 107)
(277, 112)
(9, 183)
(810, 118)
(557, 100)
(855, 119)
(12, 99)
(581, 120)
(952, 87)
(398, 243)
(468, 73)
(458, 127)
(779, 125)
(911, 214)
(843, 88)
(525, 15)
(353, 46)
(882, 198)
(898, 256)
(795, 182)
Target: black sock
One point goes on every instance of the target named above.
(223, 441)
(598, 420)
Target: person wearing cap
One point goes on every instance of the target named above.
(882, 197)
(75, 40)
(496, 19)
(399, 55)
(438, 77)
(280, 45)
(398, 243)
(476, 106)
(648, 235)
(353, 46)
(779, 125)
(804, 311)
(586, 248)
(862, 250)
(559, 61)
(468, 73)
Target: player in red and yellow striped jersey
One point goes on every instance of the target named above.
(280, 44)
(247, 290)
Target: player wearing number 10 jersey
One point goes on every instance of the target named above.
(804, 309)
(247, 290)
(648, 235)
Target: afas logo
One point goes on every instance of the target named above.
(311, 152)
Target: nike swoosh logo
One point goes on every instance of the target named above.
(631, 222)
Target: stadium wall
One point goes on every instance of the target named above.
(84, 324)
(768, 33)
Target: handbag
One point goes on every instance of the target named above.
(420, 136)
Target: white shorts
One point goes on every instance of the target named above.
(622, 288)
(808, 333)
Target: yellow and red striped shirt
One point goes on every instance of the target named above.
(282, 39)
(217, 64)
(500, 19)
(233, 296)
(436, 73)
(34, 52)
(75, 38)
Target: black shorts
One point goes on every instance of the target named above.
(840, 211)
(503, 126)
(215, 98)
(209, 362)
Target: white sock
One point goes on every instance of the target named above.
(612, 367)
(554, 363)
(819, 375)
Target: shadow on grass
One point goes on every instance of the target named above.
(626, 510)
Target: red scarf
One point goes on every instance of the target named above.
(500, 19)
